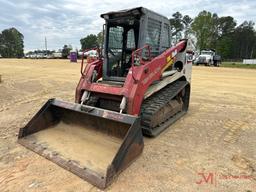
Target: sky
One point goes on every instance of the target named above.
(67, 21)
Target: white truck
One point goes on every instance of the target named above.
(208, 57)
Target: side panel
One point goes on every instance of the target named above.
(150, 72)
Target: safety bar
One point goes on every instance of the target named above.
(137, 57)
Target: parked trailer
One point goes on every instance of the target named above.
(249, 61)
(57, 55)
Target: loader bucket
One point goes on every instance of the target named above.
(93, 143)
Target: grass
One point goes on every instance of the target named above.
(237, 65)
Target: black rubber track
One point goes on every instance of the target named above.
(157, 102)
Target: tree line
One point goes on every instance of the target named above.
(208, 30)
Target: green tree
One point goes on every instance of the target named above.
(11, 43)
(187, 20)
(180, 26)
(90, 41)
(214, 31)
(177, 26)
(65, 51)
(225, 46)
(205, 27)
(226, 25)
(226, 28)
(100, 39)
(244, 41)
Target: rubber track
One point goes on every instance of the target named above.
(157, 101)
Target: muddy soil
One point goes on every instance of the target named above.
(212, 148)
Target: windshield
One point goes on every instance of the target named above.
(115, 42)
(121, 43)
(206, 53)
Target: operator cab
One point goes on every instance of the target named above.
(122, 40)
(128, 30)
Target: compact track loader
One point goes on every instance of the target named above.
(140, 85)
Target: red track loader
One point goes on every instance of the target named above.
(140, 85)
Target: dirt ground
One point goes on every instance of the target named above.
(212, 148)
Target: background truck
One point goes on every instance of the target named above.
(208, 57)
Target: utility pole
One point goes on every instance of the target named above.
(45, 43)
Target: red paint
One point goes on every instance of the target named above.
(137, 81)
